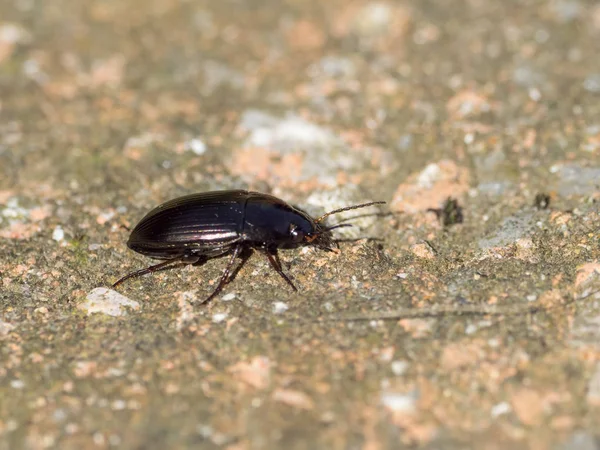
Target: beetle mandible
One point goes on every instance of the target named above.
(195, 228)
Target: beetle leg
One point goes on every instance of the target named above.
(226, 272)
(245, 254)
(276, 264)
(154, 268)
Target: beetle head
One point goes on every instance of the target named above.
(307, 232)
(321, 236)
(302, 229)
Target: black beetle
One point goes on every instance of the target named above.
(197, 227)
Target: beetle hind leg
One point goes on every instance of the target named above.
(155, 268)
(225, 277)
(276, 264)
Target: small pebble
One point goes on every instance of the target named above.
(404, 403)
(592, 83)
(328, 306)
(280, 307)
(228, 297)
(196, 146)
(500, 409)
(17, 384)
(580, 440)
(12, 33)
(494, 342)
(58, 234)
(399, 367)
(219, 317)
(13, 210)
(98, 438)
(107, 301)
(118, 405)
(470, 329)
(59, 415)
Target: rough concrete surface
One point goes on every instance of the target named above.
(483, 333)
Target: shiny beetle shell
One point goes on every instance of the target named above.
(197, 227)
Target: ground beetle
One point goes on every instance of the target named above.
(195, 228)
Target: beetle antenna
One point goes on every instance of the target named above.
(341, 225)
(347, 208)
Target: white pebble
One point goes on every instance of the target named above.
(105, 216)
(59, 415)
(494, 342)
(58, 234)
(399, 367)
(17, 384)
(106, 301)
(195, 145)
(471, 329)
(13, 34)
(500, 409)
(280, 307)
(228, 297)
(535, 94)
(404, 403)
(219, 317)
(98, 438)
(118, 405)
(13, 210)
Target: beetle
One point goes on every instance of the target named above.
(195, 228)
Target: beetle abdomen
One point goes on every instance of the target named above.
(197, 224)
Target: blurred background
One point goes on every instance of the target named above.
(108, 108)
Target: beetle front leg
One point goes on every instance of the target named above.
(273, 256)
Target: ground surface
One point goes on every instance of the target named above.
(483, 334)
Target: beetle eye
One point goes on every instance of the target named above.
(296, 233)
